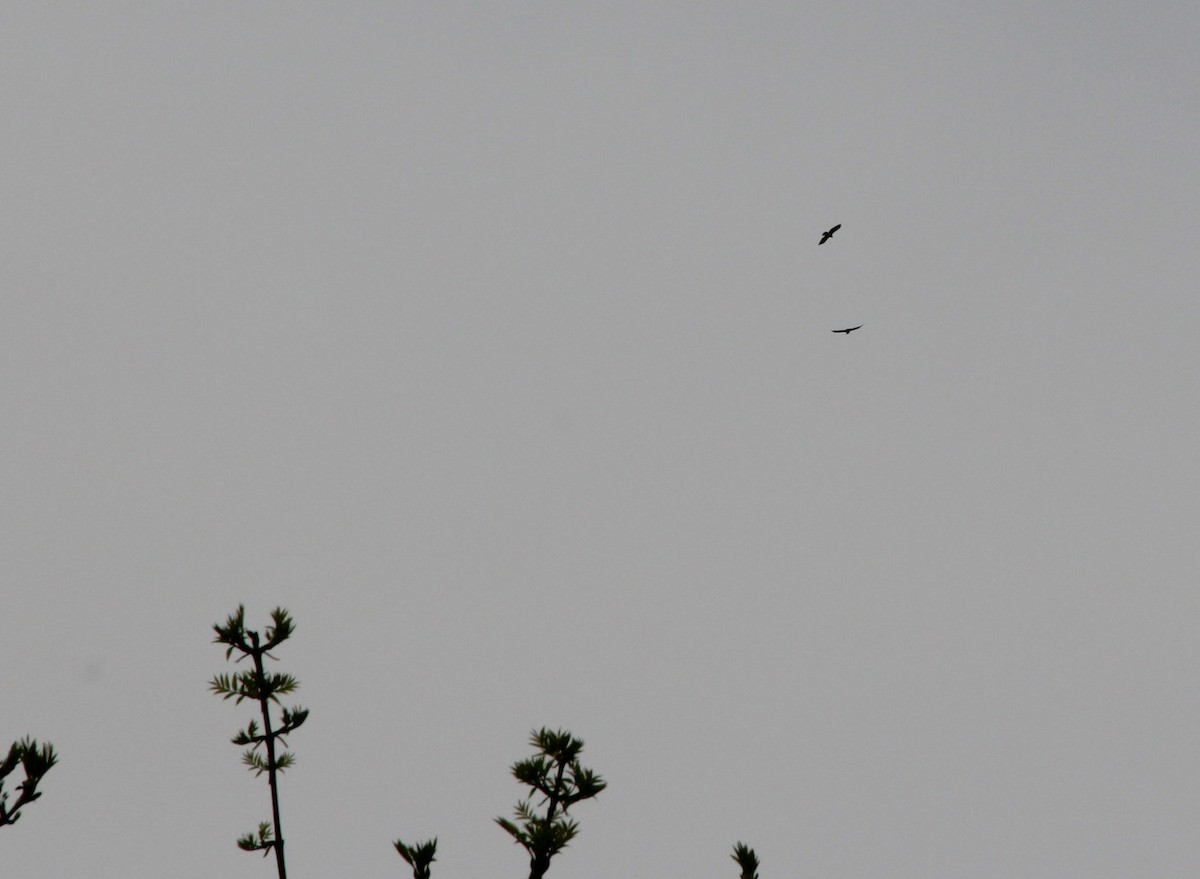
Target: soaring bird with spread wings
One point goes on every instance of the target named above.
(850, 330)
(826, 236)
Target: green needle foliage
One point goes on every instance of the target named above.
(418, 856)
(35, 762)
(554, 773)
(262, 754)
(747, 860)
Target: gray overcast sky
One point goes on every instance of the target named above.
(493, 341)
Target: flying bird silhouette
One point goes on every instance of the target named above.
(826, 236)
(850, 330)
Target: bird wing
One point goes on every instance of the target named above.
(850, 329)
(834, 229)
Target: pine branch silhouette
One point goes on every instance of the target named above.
(747, 860)
(555, 774)
(418, 856)
(255, 684)
(35, 762)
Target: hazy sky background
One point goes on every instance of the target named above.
(493, 341)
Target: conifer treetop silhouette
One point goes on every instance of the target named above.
(553, 773)
(35, 761)
(257, 685)
(827, 235)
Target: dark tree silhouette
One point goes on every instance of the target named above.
(553, 772)
(35, 762)
(255, 684)
(418, 856)
(747, 860)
